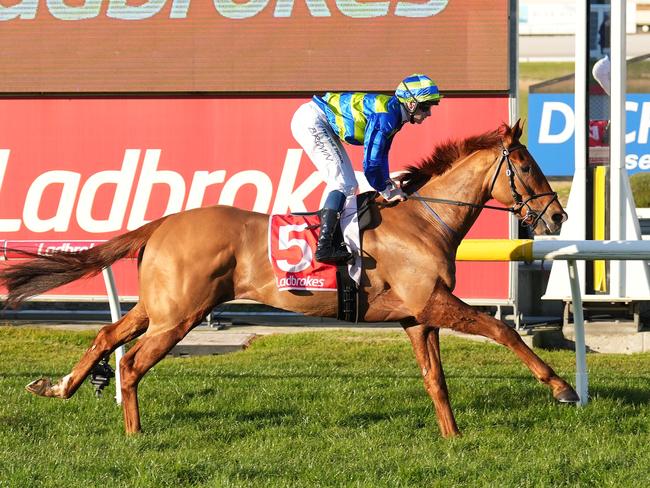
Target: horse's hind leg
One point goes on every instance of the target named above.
(141, 358)
(445, 310)
(426, 346)
(109, 338)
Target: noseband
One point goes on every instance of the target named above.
(529, 220)
(532, 217)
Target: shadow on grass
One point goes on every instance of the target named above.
(365, 419)
(271, 416)
(201, 393)
(628, 396)
(569, 345)
(268, 417)
(506, 398)
(288, 417)
(280, 375)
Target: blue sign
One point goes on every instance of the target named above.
(551, 126)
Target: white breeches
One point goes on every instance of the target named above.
(310, 128)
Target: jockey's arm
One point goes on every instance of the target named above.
(375, 164)
(375, 160)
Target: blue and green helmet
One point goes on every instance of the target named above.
(418, 88)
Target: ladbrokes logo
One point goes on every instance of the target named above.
(77, 200)
(308, 282)
(121, 10)
(14, 249)
(45, 249)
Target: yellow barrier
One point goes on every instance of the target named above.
(495, 250)
(600, 216)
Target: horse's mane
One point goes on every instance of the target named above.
(445, 155)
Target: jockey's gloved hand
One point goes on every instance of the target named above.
(393, 193)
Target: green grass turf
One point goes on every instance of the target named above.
(323, 409)
(535, 72)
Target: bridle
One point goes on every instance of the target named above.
(530, 219)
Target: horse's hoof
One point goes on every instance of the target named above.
(41, 387)
(568, 395)
(452, 434)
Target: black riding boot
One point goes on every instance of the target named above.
(326, 252)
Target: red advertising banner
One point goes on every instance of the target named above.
(89, 169)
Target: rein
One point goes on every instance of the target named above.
(530, 219)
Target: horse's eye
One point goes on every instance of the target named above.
(525, 169)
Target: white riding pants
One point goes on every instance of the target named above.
(310, 128)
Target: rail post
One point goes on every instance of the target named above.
(116, 314)
(582, 379)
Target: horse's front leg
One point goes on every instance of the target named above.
(426, 347)
(446, 310)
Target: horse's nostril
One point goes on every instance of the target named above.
(558, 218)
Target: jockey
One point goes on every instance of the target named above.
(367, 119)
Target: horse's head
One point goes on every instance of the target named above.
(518, 182)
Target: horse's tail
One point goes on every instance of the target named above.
(47, 271)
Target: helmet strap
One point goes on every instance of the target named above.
(417, 103)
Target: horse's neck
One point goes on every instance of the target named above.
(465, 181)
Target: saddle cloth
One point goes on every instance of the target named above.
(292, 246)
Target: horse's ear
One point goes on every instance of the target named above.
(517, 130)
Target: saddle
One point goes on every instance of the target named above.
(347, 290)
(367, 215)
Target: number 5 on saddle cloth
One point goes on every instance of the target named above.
(292, 245)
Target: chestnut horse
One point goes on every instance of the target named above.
(197, 259)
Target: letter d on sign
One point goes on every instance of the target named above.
(545, 136)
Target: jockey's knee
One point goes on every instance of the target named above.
(349, 190)
(335, 200)
(337, 196)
